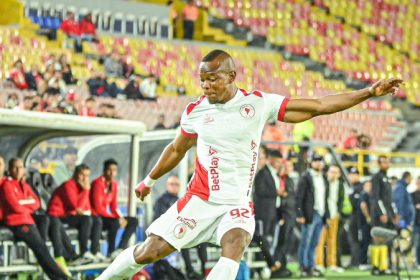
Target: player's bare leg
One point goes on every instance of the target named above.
(133, 259)
(234, 243)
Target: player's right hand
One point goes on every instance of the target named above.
(142, 190)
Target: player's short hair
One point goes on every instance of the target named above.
(273, 153)
(213, 55)
(79, 168)
(109, 162)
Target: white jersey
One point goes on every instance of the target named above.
(228, 138)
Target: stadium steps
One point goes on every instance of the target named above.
(212, 34)
(411, 142)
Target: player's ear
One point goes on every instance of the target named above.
(232, 76)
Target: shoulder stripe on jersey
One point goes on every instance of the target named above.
(192, 105)
(282, 109)
(244, 92)
(187, 134)
(257, 93)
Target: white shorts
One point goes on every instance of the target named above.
(192, 221)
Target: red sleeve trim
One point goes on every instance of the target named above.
(257, 93)
(191, 106)
(187, 134)
(282, 109)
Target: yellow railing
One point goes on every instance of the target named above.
(398, 159)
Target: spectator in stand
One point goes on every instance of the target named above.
(19, 203)
(27, 103)
(65, 170)
(18, 76)
(132, 89)
(72, 29)
(12, 101)
(88, 29)
(161, 123)
(113, 66)
(98, 86)
(57, 82)
(88, 110)
(127, 67)
(312, 212)
(148, 88)
(273, 133)
(69, 105)
(329, 237)
(351, 140)
(403, 201)
(33, 77)
(71, 203)
(66, 70)
(107, 110)
(416, 204)
(190, 16)
(49, 72)
(103, 198)
(365, 224)
(52, 100)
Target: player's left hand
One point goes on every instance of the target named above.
(385, 86)
(142, 190)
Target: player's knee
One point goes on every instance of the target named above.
(234, 243)
(153, 249)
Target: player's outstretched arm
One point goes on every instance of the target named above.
(170, 157)
(299, 110)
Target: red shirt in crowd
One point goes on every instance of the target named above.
(103, 198)
(70, 27)
(350, 142)
(18, 77)
(2, 179)
(18, 202)
(68, 198)
(87, 27)
(87, 112)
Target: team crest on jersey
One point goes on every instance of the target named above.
(180, 230)
(247, 111)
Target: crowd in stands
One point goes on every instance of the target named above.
(88, 206)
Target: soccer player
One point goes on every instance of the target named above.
(226, 124)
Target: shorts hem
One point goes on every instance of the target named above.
(148, 233)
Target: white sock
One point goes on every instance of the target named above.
(225, 269)
(122, 267)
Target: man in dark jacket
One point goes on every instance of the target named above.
(402, 200)
(356, 187)
(382, 214)
(312, 212)
(265, 197)
(286, 216)
(416, 203)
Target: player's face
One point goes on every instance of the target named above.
(215, 83)
(111, 172)
(17, 170)
(83, 177)
(384, 164)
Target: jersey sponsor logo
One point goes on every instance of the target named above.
(191, 223)
(247, 111)
(214, 170)
(179, 231)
